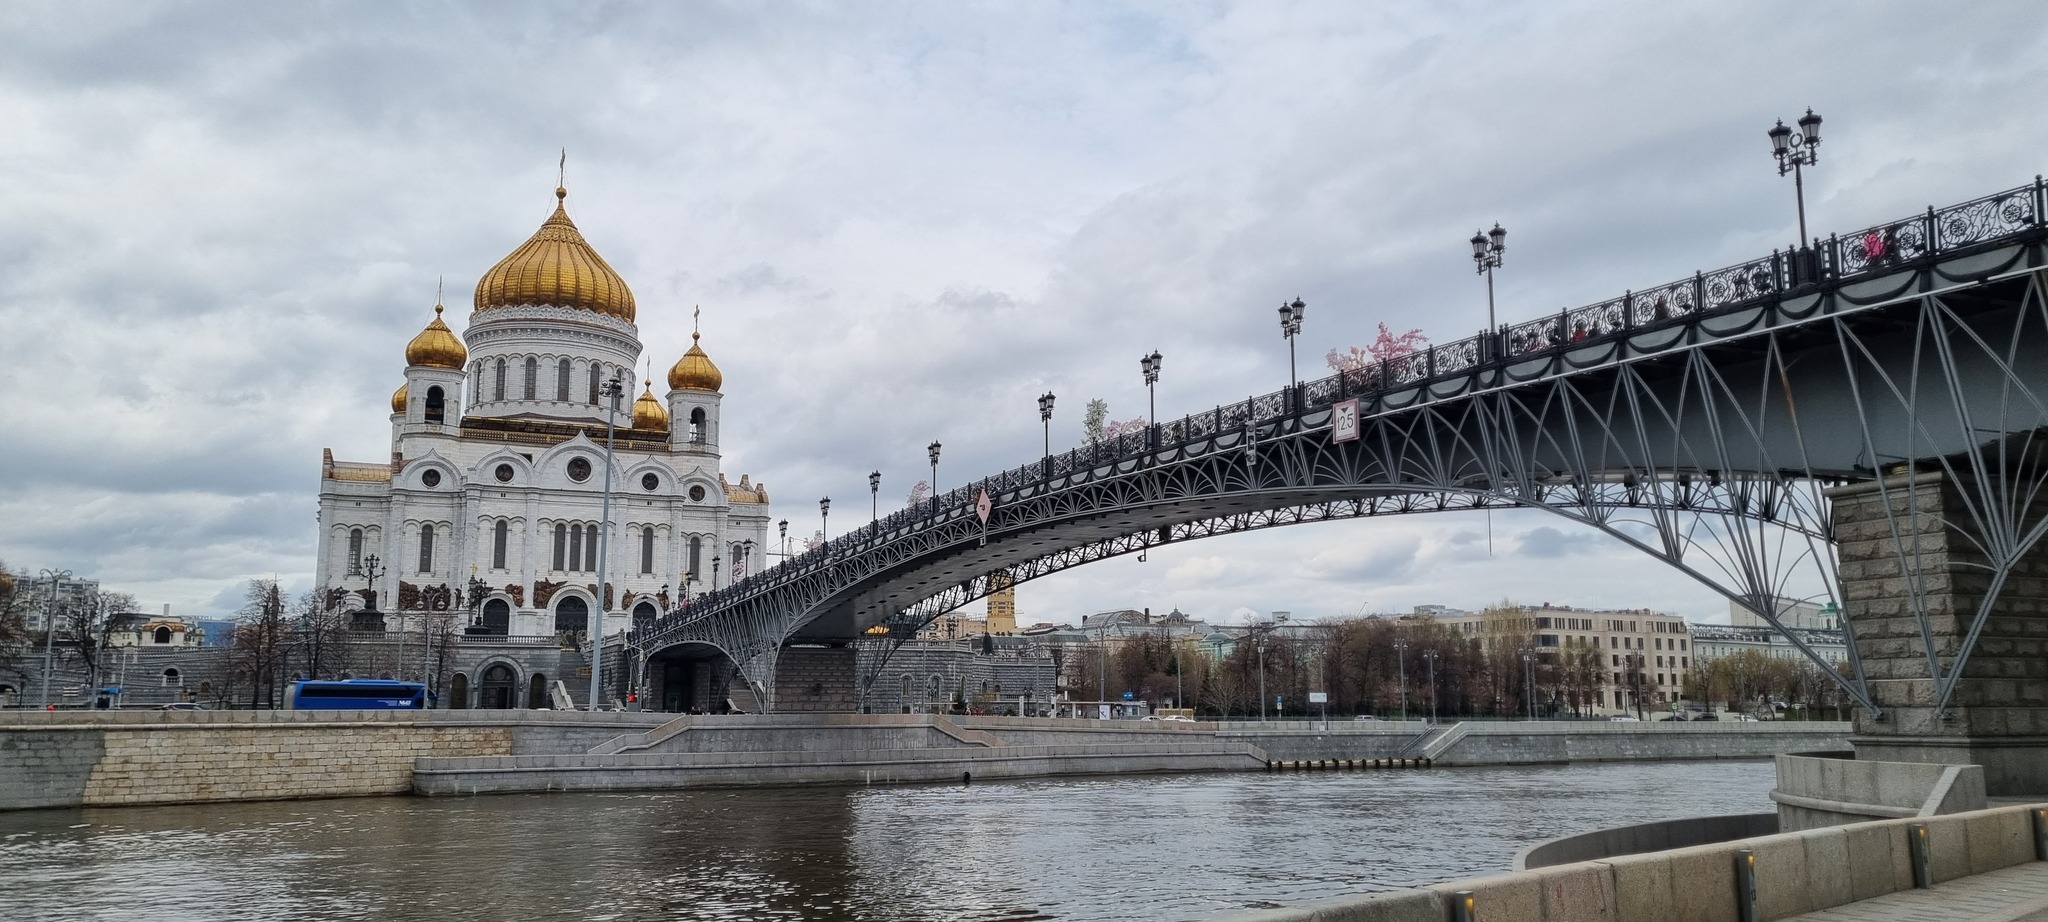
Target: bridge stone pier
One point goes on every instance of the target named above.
(1912, 562)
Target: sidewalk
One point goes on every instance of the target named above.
(2014, 894)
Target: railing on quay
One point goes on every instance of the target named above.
(1982, 223)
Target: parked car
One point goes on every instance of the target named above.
(1625, 719)
(1365, 717)
(182, 706)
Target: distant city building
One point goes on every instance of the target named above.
(142, 629)
(1792, 613)
(1713, 641)
(35, 593)
(1655, 644)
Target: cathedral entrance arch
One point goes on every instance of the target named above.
(572, 615)
(496, 690)
(458, 691)
(498, 617)
(537, 692)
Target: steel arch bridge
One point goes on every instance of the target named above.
(1697, 421)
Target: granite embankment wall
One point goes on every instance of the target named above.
(1520, 743)
(1794, 873)
(86, 758)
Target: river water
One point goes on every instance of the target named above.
(1161, 847)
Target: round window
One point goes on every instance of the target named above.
(431, 478)
(579, 469)
(503, 473)
(697, 494)
(649, 482)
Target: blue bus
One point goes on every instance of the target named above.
(358, 694)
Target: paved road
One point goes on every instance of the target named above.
(2014, 894)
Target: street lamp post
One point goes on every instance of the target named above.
(1529, 682)
(1290, 327)
(612, 389)
(782, 528)
(1045, 417)
(1259, 641)
(56, 577)
(1795, 151)
(1429, 656)
(715, 560)
(875, 495)
(1150, 365)
(932, 451)
(1487, 248)
(825, 518)
(1401, 665)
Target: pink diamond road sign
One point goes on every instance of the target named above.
(983, 506)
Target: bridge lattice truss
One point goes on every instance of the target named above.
(1700, 429)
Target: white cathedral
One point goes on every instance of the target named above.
(496, 470)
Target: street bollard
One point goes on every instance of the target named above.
(1916, 846)
(1462, 906)
(1745, 884)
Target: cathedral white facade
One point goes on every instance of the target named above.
(496, 470)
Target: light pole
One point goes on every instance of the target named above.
(1486, 254)
(782, 528)
(1290, 327)
(55, 577)
(1401, 665)
(1045, 417)
(1529, 682)
(611, 391)
(1150, 365)
(875, 496)
(1795, 151)
(1102, 666)
(715, 560)
(932, 451)
(825, 518)
(1259, 641)
(1429, 656)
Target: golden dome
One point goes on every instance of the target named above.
(694, 371)
(556, 266)
(398, 399)
(436, 346)
(648, 413)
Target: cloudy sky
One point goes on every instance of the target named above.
(220, 223)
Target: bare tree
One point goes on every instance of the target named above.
(1093, 420)
(261, 639)
(88, 625)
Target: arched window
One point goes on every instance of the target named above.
(498, 389)
(575, 548)
(595, 374)
(172, 678)
(498, 536)
(355, 552)
(561, 546)
(696, 557)
(436, 405)
(426, 548)
(163, 635)
(572, 614)
(562, 381)
(697, 424)
(590, 545)
(498, 617)
(647, 551)
(532, 377)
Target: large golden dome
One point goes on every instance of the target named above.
(648, 413)
(556, 266)
(694, 371)
(436, 346)
(398, 399)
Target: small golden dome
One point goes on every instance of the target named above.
(398, 399)
(436, 346)
(694, 371)
(648, 413)
(556, 266)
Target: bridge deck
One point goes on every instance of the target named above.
(2014, 894)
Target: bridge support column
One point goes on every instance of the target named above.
(817, 680)
(1919, 564)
